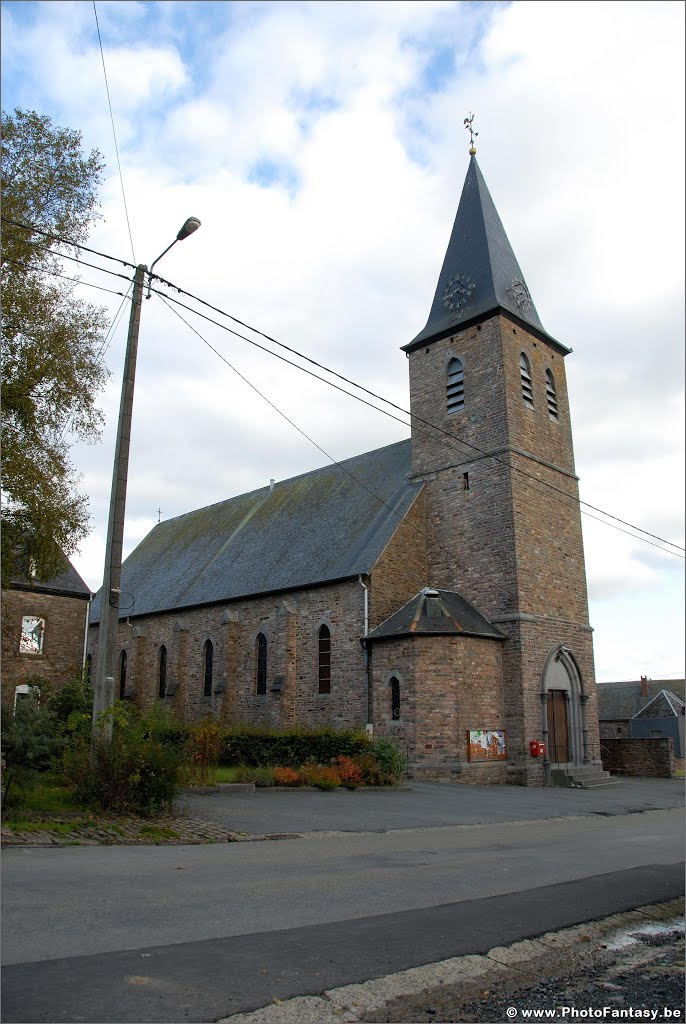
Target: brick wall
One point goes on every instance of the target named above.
(62, 657)
(639, 757)
(448, 685)
(506, 542)
(289, 622)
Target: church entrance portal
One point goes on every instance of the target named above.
(558, 731)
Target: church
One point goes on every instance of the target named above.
(432, 591)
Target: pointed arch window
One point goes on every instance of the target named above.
(207, 654)
(122, 675)
(527, 384)
(551, 394)
(455, 385)
(324, 659)
(395, 698)
(162, 672)
(261, 664)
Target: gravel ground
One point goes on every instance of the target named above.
(643, 971)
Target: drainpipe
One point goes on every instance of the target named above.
(85, 637)
(366, 649)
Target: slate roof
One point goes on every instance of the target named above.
(325, 525)
(436, 613)
(619, 702)
(665, 705)
(480, 271)
(67, 584)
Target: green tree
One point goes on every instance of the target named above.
(51, 373)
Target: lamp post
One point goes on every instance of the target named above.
(105, 665)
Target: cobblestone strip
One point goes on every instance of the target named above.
(139, 831)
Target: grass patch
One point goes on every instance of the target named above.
(59, 827)
(226, 773)
(157, 832)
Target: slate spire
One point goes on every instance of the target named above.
(480, 272)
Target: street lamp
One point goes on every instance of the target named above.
(105, 665)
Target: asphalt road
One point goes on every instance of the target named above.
(426, 804)
(197, 932)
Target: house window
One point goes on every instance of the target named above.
(261, 664)
(395, 698)
(455, 387)
(122, 675)
(21, 693)
(655, 734)
(162, 672)
(207, 662)
(32, 635)
(324, 659)
(551, 394)
(525, 375)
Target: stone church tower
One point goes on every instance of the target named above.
(503, 518)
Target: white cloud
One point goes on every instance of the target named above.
(322, 147)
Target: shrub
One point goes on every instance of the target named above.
(350, 773)
(248, 745)
(369, 769)
(134, 772)
(321, 776)
(31, 737)
(390, 761)
(287, 777)
(203, 748)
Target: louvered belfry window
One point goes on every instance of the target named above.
(551, 393)
(527, 385)
(261, 664)
(324, 659)
(455, 386)
(207, 657)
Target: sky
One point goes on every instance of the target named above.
(322, 146)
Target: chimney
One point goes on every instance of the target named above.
(271, 486)
(644, 686)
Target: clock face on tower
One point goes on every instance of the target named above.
(458, 292)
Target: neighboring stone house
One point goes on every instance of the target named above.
(434, 589)
(643, 709)
(44, 626)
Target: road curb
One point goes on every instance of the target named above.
(351, 1003)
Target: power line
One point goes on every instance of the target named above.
(114, 134)
(340, 465)
(453, 437)
(406, 412)
(74, 280)
(66, 241)
(74, 259)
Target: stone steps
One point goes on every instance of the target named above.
(582, 777)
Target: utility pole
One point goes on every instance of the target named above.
(106, 657)
(105, 664)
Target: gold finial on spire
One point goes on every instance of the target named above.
(472, 134)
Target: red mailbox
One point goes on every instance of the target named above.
(536, 748)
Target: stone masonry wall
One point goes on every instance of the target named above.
(62, 657)
(639, 757)
(508, 543)
(448, 685)
(289, 622)
(401, 570)
(469, 518)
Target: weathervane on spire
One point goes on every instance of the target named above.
(472, 134)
